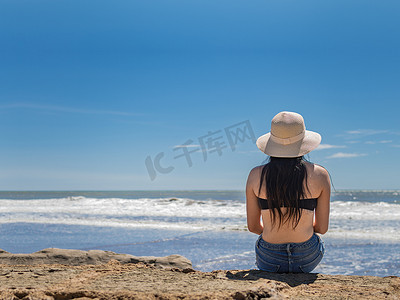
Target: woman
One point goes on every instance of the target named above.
(287, 199)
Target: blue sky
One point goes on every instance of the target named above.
(90, 89)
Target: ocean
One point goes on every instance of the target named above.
(207, 227)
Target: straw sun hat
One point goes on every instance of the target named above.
(288, 137)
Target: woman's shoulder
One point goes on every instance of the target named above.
(318, 172)
(256, 171)
(313, 167)
(254, 175)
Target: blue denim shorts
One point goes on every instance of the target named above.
(289, 257)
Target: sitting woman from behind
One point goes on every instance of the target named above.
(287, 199)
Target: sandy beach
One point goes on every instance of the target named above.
(107, 275)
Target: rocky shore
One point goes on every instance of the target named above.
(74, 274)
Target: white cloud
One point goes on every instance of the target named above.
(346, 155)
(366, 132)
(385, 141)
(65, 109)
(379, 142)
(328, 146)
(185, 146)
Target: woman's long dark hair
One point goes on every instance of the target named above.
(285, 179)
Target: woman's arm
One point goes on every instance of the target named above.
(254, 223)
(321, 220)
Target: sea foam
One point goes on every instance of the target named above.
(349, 219)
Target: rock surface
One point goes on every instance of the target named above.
(147, 280)
(92, 257)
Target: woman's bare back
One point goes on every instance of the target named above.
(318, 186)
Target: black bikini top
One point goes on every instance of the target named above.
(309, 204)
